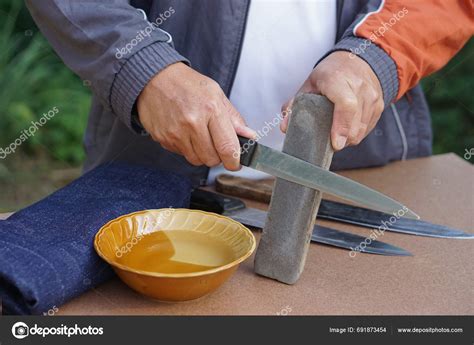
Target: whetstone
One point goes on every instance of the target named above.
(285, 239)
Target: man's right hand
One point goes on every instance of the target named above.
(189, 114)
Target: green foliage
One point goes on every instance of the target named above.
(450, 96)
(33, 80)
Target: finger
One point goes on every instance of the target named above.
(238, 122)
(372, 124)
(361, 128)
(225, 141)
(346, 106)
(159, 138)
(170, 147)
(372, 108)
(367, 113)
(361, 134)
(377, 113)
(358, 128)
(187, 150)
(204, 147)
(285, 112)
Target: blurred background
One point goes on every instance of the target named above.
(33, 80)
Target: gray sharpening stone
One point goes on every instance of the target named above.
(285, 239)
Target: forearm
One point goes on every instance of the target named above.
(421, 37)
(91, 36)
(404, 41)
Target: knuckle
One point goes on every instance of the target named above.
(193, 160)
(343, 122)
(158, 137)
(373, 95)
(359, 138)
(351, 140)
(193, 120)
(359, 135)
(172, 137)
(167, 147)
(349, 104)
(210, 107)
(212, 86)
(212, 161)
(225, 148)
(343, 128)
(356, 141)
(379, 107)
(166, 144)
(357, 83)
(155, 137)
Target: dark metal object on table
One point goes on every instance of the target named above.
(261, 190)
(236, 209)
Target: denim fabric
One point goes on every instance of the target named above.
(46, 250)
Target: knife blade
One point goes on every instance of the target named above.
(282, 165)
(261, 190)
(236, 209)
(336, 211)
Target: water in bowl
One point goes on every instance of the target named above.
(177, 251)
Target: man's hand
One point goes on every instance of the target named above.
(349, 82)
(189, 114)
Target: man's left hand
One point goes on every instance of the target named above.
(351, 84)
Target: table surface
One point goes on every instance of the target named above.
(437, 280)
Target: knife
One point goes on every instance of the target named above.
(282, 165)
(336, 211)
(236, 209)
(261, 190)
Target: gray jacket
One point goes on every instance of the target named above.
(113, 47)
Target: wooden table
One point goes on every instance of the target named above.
(438, 279)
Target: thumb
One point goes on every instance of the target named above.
(286, 111)
(286, 108)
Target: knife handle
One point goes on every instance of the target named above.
(247, 149)
(212, 202)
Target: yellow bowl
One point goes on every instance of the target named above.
(174, 254)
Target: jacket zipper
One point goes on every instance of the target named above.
(401, 130)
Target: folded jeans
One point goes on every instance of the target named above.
(46, 250)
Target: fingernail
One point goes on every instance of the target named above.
(284, 124)
(340, 142)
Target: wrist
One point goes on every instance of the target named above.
(379, 61)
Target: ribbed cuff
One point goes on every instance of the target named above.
(380, 62)
(136, 72)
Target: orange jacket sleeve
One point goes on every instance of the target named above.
(420, 36)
